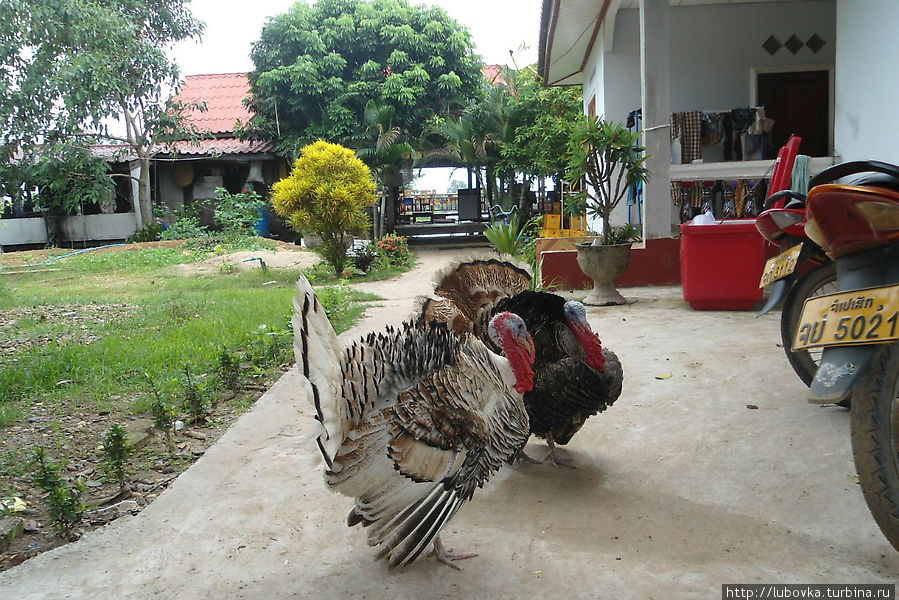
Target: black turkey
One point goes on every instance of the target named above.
(574, 376)
(413, 420)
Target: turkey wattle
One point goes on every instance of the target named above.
(413, 420)
(574, 376)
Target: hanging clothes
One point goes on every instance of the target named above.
(712, 128)
(740, 198)
(687, 127)
(740, 120)
(799, 182)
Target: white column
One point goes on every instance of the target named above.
(655, 35)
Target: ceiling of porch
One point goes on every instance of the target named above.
(569, 30)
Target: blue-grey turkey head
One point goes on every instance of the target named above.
(575, 377)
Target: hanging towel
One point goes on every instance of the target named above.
(799, 183)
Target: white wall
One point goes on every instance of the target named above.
(867, 80)
(713, 51)
(76, 228)
(714, 47)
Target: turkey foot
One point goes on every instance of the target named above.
(552, 456)
(447, 556)
(523, 457)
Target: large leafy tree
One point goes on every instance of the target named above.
(318, 66)
(68, 66)
(517, 127)
(540, 123)
(464, 142)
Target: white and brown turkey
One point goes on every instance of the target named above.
(413, 420)
(574, 376)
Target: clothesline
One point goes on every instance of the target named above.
(727, 110)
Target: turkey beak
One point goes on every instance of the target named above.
(528, 343)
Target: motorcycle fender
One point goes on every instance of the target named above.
(779, 290)
(840, 368)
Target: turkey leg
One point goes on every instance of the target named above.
(447, 556)
(553, 458)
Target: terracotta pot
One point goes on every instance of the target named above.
(603, 264)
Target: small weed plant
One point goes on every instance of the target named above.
(270, 345)
(163, 413)
(63, 499)
(229, 369)
(116, 452)
(195, 403)
(150, 232)
(186, 226)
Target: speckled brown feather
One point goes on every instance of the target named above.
(566, 389)
(470, 290)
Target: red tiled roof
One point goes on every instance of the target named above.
(223, 94)
(227, 145)
(493, 74)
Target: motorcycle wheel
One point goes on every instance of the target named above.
(875, 439)
(819, 281)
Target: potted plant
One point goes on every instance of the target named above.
(608, 158)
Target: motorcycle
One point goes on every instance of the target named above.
(802, 270)
(857, 225)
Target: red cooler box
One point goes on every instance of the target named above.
(721, 264)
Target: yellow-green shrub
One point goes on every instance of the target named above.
(326, 193)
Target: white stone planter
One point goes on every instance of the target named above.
(603, 264)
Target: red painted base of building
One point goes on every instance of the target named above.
(653, 262)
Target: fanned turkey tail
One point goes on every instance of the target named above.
(318, 354)
(412, 531)
(471, 289)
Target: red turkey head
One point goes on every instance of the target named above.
(508, 331)
(576, 315)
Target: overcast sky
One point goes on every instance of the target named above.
(496, 27)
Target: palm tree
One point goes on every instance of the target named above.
(381, 146)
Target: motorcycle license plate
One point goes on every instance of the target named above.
(866, 316)
(780, 266)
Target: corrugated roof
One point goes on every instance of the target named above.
(114, 152)
(223, 93)
(227, 145)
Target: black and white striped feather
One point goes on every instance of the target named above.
(413, 421)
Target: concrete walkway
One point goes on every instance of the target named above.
(683, 485)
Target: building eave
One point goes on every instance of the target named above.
(564, 44)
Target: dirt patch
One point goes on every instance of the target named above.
(82, 319)
(282, 258)
(77, 436)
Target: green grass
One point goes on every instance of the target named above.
(168, 320)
